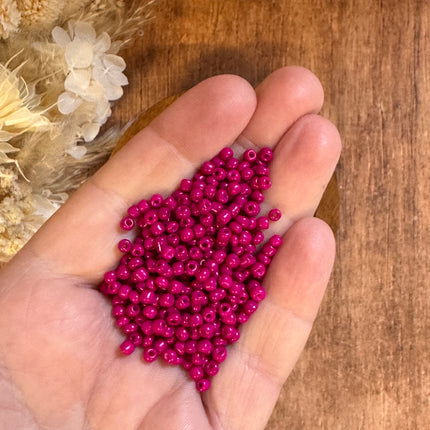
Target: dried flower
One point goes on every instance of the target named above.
(17, 105)
(9, 18)
(95, 76)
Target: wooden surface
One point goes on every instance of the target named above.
(366, 365)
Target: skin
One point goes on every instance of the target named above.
(59, 362)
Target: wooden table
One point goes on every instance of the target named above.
(366, 365)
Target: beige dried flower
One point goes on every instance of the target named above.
(9, 18)
(39, 13)
(17, 105)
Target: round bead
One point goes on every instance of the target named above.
(150, 354)
(196, 373)
(219, 354)
(265, 155)
(127, 223)
(127, 347)
(203, 385)
(250, 155)
(211, 368)
(275, 240)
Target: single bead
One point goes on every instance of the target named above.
(186, 185)
(207, 168)
(210, 284)
(231, 163)
(172, 227)
(170, 356)
(150, 217)
(198, 298)
(252, 224)
(222, 196)
(207, 220)
(110, 276)
(225, 153)
(149, 311)
(113, 288)
(191, 267)
(203, 385)
(118, 311)
(219, 174)
(179, 348)
(133, 211)
(195, 253)
(157, 228)
(208, 315)
(159, 326)
(196, 320)
(156, 201)
(223, 217)
(198, 359)
(264, 183)
(160, 345)
(139, 275)
(242, 317)
(143, 206)
(205, 346)
(203, 274)
(262, 170)
(211, 368)
(127, 223)
(250, 307)
(234, 188)
(169, 333)
(134, 263)
(132, 309)
(181, 334)
(182, 212)
(166, 300)
(257, 196)
(122, 272)
(196, 194)
(146, 327)
(187, 234)
(275, 240)
(181, 253)
(196, 373)
(225, 281)
(124, 291)
(190, 346)
(173, 317)
(230, 333)
(268, 250)
(251, 209)
(207, 329)
(257, 292)
(217, 295)
(199, 231)
(265, 154)
(127, 347)
(247, 173)
(129, 328)
(249, 155)
(257, 237)
(150, 354)
(182, 302)
(124, 245)
(122, 321)
(219, 354)
(219, 341)
(135, 338)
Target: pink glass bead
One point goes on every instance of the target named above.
(122, 321)
(170, 356)
(127, 347)
(182, 334)
(211, 368)
(196, 373)
(205, 346)
(124, 245)
(122, 272)
(219, 354)
(127, 223)
(250, 155)
(156, 201)
(150, 354)
(275, 241)
(203, 385)
(265, 155)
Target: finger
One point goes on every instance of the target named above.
(271, 342)
(283, 97)
(80, 238)
(303, 163)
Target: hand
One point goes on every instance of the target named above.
(59, 362)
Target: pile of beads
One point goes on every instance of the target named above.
(193, 273)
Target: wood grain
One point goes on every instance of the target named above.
(366, 365)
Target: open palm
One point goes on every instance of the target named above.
(60, 367)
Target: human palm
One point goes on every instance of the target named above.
(60, 367)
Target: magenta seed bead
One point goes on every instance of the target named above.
(258, 270)
(137, 250)
(179, 348)
(249, 155)
(196, 320)
(265, 154)
(205, 346)
(250, 307)
(231, 163)
(195, 253)
(166, 300)
(219, 341)
(191, 267)
(132, 309)
(207, 330)
(149, 311)
(124, 291)
(124, 245)
(257, 238)
(170, 356)
(117, 301)
(143, 206)
(159, 326)
(169, 333)
(148, 340)
(225, 154)
(268, 250)
(182, 334)
(187, 234)
(127, 223)
(147, 297)
(118, 311)
(225, 281)
(264, 183)
(219, 174)
(160, 345)
(133, 211)
(129, 328)
(219, 354)
(230, 333)
(217, 295)
(182, 302)
(252, 209)
(196, 373)
(173, 317)
(257, 196)
(211, 368)
(186, 185)
(242, 318)
(203, 385)
(274, 214)
(113, 288)
(257, 293)
(190, 347)
(122, 272)
(127, 347)
(198, 359)
(207, 168)
(122, 321)
(175, 287)
(156, 201)
(275, 240)
(110, 276)
(135, 338)
(139, 275)
(150, 354)
(209, 316)
(146, 327)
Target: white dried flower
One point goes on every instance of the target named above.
(95, 76)
(10, 18)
